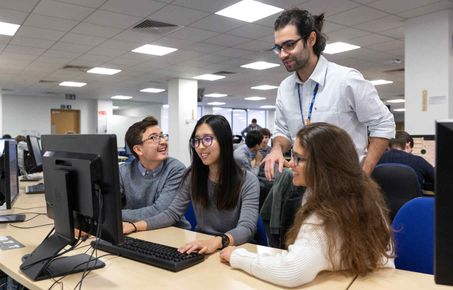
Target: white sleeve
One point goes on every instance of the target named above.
(299, 265)
(280, 126)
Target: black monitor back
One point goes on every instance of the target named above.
(9, 180)
(34, 150)
(443, 261)
(84, 147)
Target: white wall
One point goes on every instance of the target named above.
(428, 66)
(31, 115)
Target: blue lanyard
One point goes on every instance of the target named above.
(310, 110)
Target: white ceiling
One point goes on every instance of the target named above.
(89, 33)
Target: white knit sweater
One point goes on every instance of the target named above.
(299, 265)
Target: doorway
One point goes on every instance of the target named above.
(65, 121)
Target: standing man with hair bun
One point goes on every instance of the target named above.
(322, 91)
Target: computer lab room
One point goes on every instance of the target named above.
(226, 144)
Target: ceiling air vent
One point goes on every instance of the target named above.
(46, 82)
(156, 27)
(6, 90)
(76, 67)
(396, 70)
(223, 72)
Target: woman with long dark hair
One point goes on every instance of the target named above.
(342, 223)
(224, 197)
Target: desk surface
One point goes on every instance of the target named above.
(121, 273)
(394, 279)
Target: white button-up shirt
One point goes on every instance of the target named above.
(344, 98)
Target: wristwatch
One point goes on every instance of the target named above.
(225, 240)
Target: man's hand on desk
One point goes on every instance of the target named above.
(225, 254)
(129, 227)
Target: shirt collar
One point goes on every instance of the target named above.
(146, 172)
(319, 73)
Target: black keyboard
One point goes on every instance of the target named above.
(37, 188)
(158, 255)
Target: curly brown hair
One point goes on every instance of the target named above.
(349, 203)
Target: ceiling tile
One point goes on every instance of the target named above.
(357, 15)
(49, 22)
(138, 8)
(328, 7)
(32, 42)
(252, 31)
(395, 6)
(192, 34)
(217, 23)
(87, 3)
(72, 47)
(438, 6)
(12, 16)
(117, 20)
(370, 40)
(23, 50)
(82, 39)
(27, 31)
(63, 10)
(178, 15)
(382, 24)
(96, 30)
(205, 5)
(345, 35)
(226, 40)
(19, 5)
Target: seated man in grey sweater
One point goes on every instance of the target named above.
(247, 156)
(150, 182)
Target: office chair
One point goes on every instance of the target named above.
(398, 183)
(190, 216)
(413, 228)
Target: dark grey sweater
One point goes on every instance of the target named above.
(240, 221)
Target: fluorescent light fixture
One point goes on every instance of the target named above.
(264, 87)
(337, 47)
(249, 11)
(216, 95)
(120, 97)
(209, 77)
(165, 106)
(268, 107)
(72, 84)
(399, 110)
(216, 103)
(8, 28)
(254, 98)
(152, 90)
(154, 49)
(381, 82)
(115, 107)
(260, 65)
(103, 71)
(396, 101)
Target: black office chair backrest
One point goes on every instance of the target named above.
(398, 182)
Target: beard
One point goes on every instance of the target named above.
(295, 63)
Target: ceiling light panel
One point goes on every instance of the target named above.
(72, 84)
(264, 87)
(338, 47)
(209, 77)
(249, 11)
(154, 49)
(152, 90)
(8, 28)
(103, 71)
(260, 65)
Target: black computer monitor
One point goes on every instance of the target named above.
(82, 191)
(35, 152)
(443, 217)
(9, 189)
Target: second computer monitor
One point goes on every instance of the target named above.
(9, 188)
(35, 152)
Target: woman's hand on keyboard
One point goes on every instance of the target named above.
(202, 246)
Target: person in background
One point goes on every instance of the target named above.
(248, 155)
(400, 152)
(265, 148)
(22, 147)
(6, 136)
(149, 182)
(324, 237)
(224, 197)
(253, 126)
(322, 91)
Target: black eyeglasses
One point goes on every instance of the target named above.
(156, 138)
(206, 140)
(297, 158)
(287, 46)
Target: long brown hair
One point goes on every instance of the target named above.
(348, 202)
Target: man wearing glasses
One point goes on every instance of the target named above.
(149, 183)
(322, 91)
